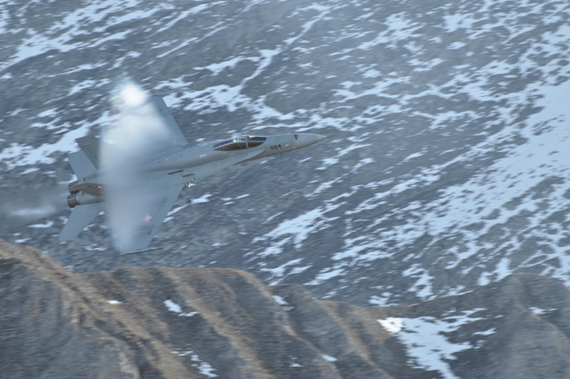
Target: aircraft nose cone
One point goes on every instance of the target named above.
(306, 139)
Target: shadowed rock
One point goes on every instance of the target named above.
(196, 323)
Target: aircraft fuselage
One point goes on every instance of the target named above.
(191, 158)
(195, 162)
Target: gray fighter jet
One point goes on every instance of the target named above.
(141, 163)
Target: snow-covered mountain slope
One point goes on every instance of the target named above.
(446, 160)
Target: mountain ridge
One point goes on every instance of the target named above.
(165, 322)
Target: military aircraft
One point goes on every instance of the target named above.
(137, 169)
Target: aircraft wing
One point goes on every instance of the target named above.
(137, 201)
(135, 214)
(141, 129)
(176, 135)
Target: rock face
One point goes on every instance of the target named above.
(196, 323)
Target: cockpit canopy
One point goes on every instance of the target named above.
(239, 143)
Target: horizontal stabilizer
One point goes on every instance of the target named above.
(81, 216)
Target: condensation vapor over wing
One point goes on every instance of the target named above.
(136, 135)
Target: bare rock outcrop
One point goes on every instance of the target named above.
(198, 323)
(166, 323)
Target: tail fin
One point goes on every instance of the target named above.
(80, 217)
(81, 165)
(90, 146)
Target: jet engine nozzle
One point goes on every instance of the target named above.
(72, 200)
(82, 198)
(70, 187)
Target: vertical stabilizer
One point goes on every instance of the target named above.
(90, 146)
(81, 165)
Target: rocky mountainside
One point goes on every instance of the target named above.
(446, 162)
(203, 323)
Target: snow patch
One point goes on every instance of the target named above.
(392, 324)
(426, 341)
(204, 367)
(328, 358)
(284, 304)
(173, 307)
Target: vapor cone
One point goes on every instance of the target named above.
(135, 137)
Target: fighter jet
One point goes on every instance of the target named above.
(136, 170)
